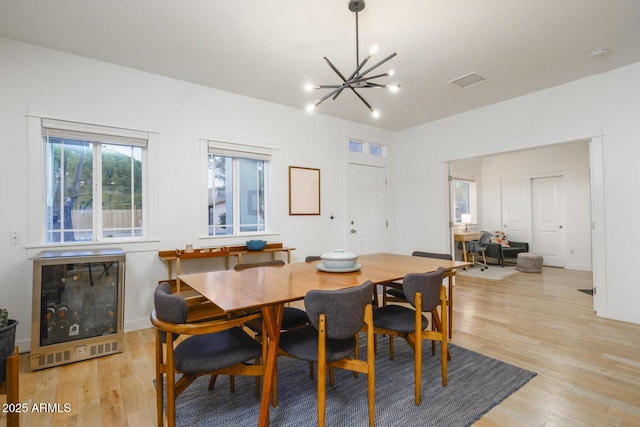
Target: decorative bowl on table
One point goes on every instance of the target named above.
(256, 245)
(339, 259)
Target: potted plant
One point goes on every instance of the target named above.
(7, 341)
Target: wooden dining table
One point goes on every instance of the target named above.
(269, 288)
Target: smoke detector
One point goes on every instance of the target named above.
(599, 52)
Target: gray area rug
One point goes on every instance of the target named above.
(476, 383)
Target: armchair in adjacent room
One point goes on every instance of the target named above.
(503, 249)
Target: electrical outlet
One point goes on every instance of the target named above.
(14, 238)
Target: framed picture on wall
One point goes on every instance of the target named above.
(304, 191)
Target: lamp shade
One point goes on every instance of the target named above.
(465, 218)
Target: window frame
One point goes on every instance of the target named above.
(239, 151)
(472, 203)
(36, 236)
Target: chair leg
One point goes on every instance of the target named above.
(322, 373)
(356, 353)
(371, 376)
(12, 384)
(159, 381)
(212, 382)
(417, 350)
(332, 379)
(257, 361)
(171, 385)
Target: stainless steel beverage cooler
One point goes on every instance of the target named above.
(77, 306)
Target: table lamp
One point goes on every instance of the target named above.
(465, 219)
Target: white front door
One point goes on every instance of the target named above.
(547, 220)
(367, 218)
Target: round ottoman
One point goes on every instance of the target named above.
(529, 263)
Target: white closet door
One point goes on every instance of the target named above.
(547, 220)
(516, 209)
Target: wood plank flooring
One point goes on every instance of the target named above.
(588, 368)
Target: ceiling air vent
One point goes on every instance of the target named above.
(468, 80)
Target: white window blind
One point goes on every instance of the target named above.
(94, 133)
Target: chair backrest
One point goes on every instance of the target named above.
(169, 307)
(432, 255)
(428, 284)
(343, 309)
(275, 263)
(484, 239)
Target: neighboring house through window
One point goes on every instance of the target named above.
(238, 189)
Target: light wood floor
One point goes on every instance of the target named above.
(588, 368)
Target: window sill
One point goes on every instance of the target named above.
(212, 241)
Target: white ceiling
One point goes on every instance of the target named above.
(270, 49)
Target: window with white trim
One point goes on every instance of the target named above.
(367, 148)
(238, 189)
(94, 182)
(465, 200)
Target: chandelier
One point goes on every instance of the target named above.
(358, 79)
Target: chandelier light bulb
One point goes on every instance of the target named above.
(375, 114)
(393, 88)
(308, 87)
(390, 73)
(311, 108)
(373, 49)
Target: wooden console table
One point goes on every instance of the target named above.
(272, 248)
(177, 256)
(464, 237)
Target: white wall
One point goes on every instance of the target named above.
(68, 87)
(606, 104)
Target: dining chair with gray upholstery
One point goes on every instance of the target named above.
(216, 347)
(337, 317)
(392, 291)
(425, 293)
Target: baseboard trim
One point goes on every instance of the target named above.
(578, 267)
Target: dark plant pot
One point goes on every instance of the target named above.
(7, 344)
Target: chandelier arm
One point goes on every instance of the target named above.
(355, 73)
(339, 92)
(362, 99)
(378, 64)
(365, 79)
(319, 101)
(333, 67)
